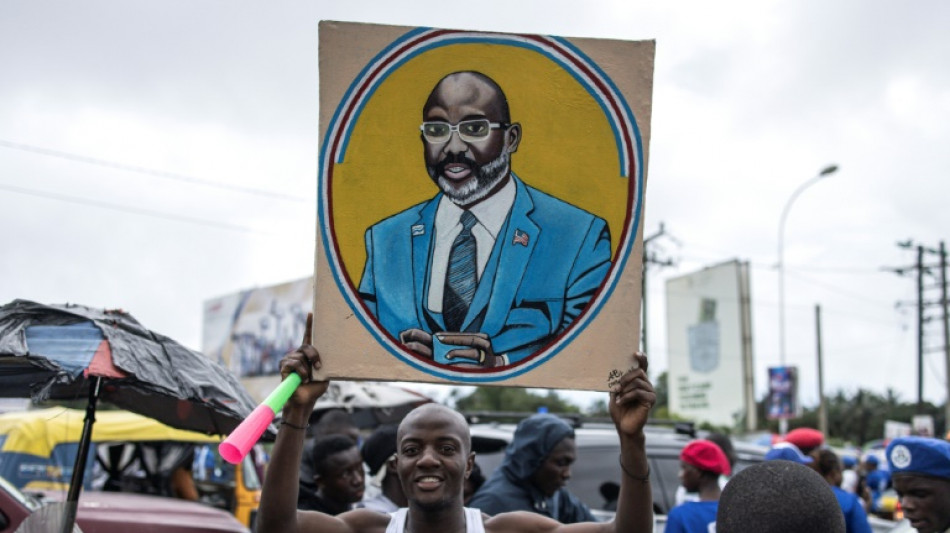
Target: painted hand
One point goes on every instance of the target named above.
(474, 348)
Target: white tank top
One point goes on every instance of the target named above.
(473, 521)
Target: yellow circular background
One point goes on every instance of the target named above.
(567, 147)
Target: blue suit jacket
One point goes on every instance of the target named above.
(527, 294)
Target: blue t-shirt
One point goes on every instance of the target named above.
(877, 481)
(855, 519)
(692, 517)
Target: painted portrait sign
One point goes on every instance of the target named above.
(480, 199)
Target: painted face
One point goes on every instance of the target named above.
(926, 502)
(690, 477)
(468, 170)
(343, 481)
(554, 472)
(433, 459)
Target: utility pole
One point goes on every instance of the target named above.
(946, 326)
(822, 403)
(920, 268)
(650, 257)
(920, 329)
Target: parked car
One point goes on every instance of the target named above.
(111, 512)
(130, 453)
(595, 476)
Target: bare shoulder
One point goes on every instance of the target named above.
(527, 522)
(365, 521)
(356, 521)
(519, 522)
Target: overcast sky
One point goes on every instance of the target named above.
(215, 101)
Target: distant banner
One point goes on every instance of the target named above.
(894, 429)
(783, 392)
(250, 331)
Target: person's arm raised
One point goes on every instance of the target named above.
(278, 510)
(630, 402)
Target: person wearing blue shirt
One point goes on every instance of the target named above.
(701, 464)
(490, 268)
(920, 467)
(829, 466)
(876, 479)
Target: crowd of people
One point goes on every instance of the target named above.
(421, 476)
(341, 471)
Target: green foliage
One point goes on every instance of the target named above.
(859, 418)
(598, 409)
(662, 389)
(513, 399)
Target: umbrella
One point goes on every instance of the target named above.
(368, 403)
(66, 351)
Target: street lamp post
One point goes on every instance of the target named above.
(827, 171)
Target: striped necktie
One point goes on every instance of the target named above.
(460, 276)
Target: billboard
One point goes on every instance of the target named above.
(250, 331)
(783, 393)
(476, 226)
(709, 338)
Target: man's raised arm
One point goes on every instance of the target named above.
(630, 403)
(278, 511)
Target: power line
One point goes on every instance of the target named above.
(771, 266)
(150, 172)
(126, 209)
(832, 288)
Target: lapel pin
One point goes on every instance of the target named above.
(520, 238)
(418, 229)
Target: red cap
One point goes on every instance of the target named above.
(805, 438)
(706, 455)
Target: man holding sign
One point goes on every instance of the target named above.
(434, 457)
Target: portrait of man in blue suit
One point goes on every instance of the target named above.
(490, 270)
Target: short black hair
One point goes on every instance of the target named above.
(502, 100)
(725, 444)
(778, 497)
(334, 421)
(827, 462)
(324, 447)
(379, 446)
(477, 478)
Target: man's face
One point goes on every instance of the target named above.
(690, 476)
(925, 500)
(468, 170)
(556, 468)
(343, 481)
(432, 459)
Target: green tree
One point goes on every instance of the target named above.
(859, 418)
(662, 388)
(513, 399)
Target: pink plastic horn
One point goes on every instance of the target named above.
(235, 447)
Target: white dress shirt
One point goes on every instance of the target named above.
(491, 214)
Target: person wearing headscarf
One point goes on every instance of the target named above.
(533, 474)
